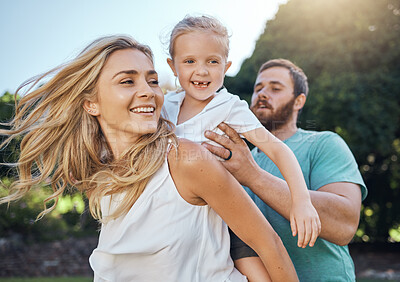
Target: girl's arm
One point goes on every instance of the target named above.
(304, 219)
(201, 179)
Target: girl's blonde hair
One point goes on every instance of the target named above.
(201, 23)
(63, 145)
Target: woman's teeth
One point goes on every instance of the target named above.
(143, 110)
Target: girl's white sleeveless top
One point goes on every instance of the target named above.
(163, 238)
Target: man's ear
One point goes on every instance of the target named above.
(91, 108)
(227, 66)
(172, 66)
(299, 101)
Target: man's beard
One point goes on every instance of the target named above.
(277, 118)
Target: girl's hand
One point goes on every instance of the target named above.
(304, 222)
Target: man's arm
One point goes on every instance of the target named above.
(338, 204)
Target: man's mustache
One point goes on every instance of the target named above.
(263, 103)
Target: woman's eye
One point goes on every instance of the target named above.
(127, 81)
(154, 82)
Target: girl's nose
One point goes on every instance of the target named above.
(202, 70)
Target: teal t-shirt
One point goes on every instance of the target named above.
(324, 158)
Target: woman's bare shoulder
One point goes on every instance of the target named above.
(189, 165)
(190, 156)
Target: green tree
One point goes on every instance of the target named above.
(350, 51)
(6, 106)
(7, 154)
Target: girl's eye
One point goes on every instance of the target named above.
(213, 62)
(127, 81)
(189, 61)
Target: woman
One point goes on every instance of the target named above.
(97, 125)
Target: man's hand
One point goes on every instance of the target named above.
(241, 165)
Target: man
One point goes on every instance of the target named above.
(331, 173)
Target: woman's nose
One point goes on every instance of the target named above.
(145, 91)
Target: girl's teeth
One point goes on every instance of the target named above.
(201, 84)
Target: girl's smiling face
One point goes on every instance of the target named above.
(200, 64)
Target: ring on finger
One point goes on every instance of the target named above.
(230, 156)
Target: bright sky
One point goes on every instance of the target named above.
(39, 35)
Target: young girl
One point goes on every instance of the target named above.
(96, 125)
(199, 50)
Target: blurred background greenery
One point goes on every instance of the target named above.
(349, 50)
(70, 217)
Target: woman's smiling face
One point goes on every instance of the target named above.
(129, 99)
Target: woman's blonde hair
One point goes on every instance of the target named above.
(201, 23)
(63, 145)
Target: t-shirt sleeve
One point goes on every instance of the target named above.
(332, 161)
(241, 117)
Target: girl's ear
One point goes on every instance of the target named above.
(227, 66)
(172, 66)
(91, 108)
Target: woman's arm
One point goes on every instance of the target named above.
(201, 179)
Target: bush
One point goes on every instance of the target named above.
(70, 218)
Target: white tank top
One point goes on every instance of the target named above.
(163, 238)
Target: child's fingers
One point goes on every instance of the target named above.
(308, 232)
(293, 226)
(315, 232)
(300, 234)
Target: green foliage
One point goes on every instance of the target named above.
(69, 218)
(7, 154)
(350, 51)
(6, 106)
